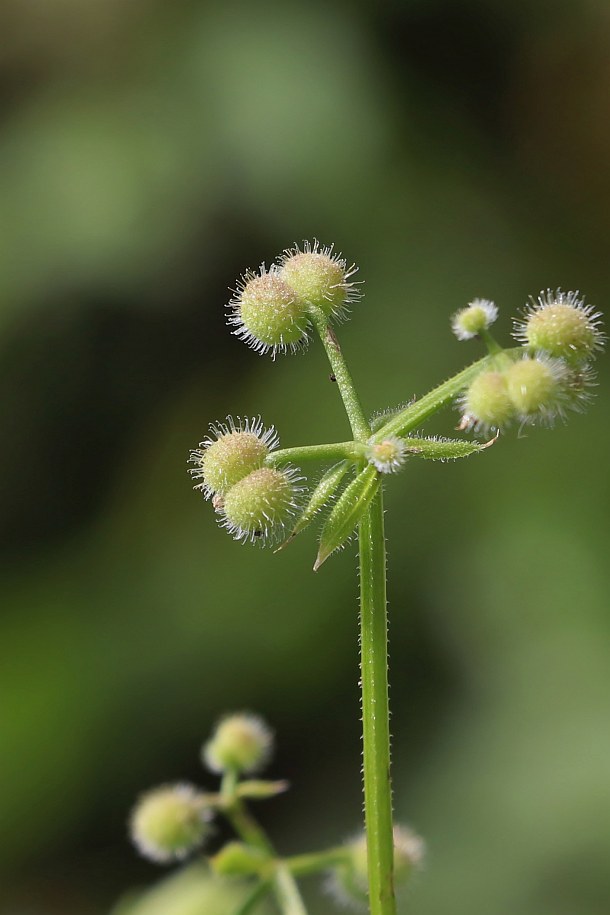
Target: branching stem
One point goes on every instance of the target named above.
(335, 451)
(283, 883)
(374, 660)
(360, 428)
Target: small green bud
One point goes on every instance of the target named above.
(476, 317)
(320, 277)
(268, 314)
(561, 325)
(231, 451)
(486, 404)
(258, 507)
(538, 388)
(388, 455)
(236, 859)
(241, 742)
(169, 822)
(349, 880)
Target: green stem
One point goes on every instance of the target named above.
(416, 413)
(360, 427)
(314, 862)
(375, 710)
(336, 451)
(284, 886)
(258, 893)
(374, 655)
(286, 892)
(493, 347)
(247, 828)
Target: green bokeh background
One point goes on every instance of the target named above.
(149, 153)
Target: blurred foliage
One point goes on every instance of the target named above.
(190, 892)
(149, 152)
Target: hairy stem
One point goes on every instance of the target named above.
(374, 657)
(416, 413)
(335, 451)
(375, 710)
(355, 414)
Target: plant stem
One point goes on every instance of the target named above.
(259, 891)
(493, 347)
(374, 655)
(314, 862)
(287, 894)
(415, 414)
(247, 828)
(360, 427)
(284, 885)
(334, 451)
(375, 709)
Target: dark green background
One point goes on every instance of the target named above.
(149, 153)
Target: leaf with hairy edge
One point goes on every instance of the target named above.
(323, 492)
(444, 449)
(347, 512)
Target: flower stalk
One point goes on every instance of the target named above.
(341, 373)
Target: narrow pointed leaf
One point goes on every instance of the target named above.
(444, 449)
(260, 790)
(347, 512)
(323, 492)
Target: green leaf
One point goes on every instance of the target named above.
(323, 492)
(236, 859)
(259, 891)
(444, 449)
(260, 790)
(347, 512)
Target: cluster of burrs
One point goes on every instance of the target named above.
(172, 822)
(253, 501)
(549, 374)
(255, 489)
(272, 309)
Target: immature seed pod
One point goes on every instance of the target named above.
(560, 324)
(348, 881)
(268, 314)
(486, 404)
(320, 277)
(231, 451)
(258, 507)
(476, 317)
(538, 388)
(169, 823)
(242, 742)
